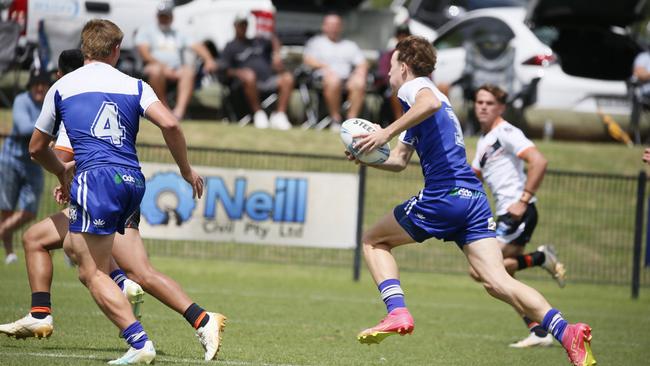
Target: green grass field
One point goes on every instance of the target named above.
(288, 314)
(301, 315)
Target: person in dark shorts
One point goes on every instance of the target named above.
(501, 152)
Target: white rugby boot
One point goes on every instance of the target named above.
(210, 335)
(146, 354)
(552, 265)
(533, 340)
(29, 327)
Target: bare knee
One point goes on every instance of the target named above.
(356, 84)
(286, 80)
(31, 242)
(154, 70)
(371, 243)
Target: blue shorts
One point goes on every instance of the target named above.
(102, 199)
(452, 214)
(21, 185)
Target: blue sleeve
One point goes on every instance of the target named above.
(23, 124)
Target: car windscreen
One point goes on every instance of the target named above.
(435, 13)
(591, 52)
(478, 30)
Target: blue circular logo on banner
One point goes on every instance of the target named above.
(167, 195)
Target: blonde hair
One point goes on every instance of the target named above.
(99, 37)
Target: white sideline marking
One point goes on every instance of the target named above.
(157, 359)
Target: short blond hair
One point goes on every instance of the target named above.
(99, 37)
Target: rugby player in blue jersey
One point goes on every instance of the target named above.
(128, 249)
(452, 206)
(100, 108)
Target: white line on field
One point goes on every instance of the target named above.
(158, 359)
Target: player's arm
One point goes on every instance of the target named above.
(63, 155)
(39, 144)
(40, 151)
(537, 164)
(175, 140)
(536, 169)
(426, 104)
(398, 159)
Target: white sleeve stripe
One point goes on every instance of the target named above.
(37, 127)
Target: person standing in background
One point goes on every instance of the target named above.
(21, 181)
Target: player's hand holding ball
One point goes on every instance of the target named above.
(365, 141)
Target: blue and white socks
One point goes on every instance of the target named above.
(118, 276)
(392, 294)
(555, 324)
(135, 335)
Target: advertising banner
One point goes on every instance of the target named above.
(251, 206)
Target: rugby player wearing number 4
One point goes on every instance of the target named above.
(452, 206)
(48, 234)
(100, 108)
(128, 249)
(500, 155)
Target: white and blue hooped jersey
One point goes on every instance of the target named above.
(438, 140)
(100, 108)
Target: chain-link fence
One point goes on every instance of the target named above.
(589, 218)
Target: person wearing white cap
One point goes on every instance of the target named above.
(161, 47)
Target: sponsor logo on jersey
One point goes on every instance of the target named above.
(99, 223)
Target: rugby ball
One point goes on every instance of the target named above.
(357, 126)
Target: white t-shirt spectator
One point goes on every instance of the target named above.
(498, 160)
(341, 56)
(165, 46)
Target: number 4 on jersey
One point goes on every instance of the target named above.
(107, 124)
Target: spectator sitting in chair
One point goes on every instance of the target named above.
(337, 62)
(257, 65)
(161, 48)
